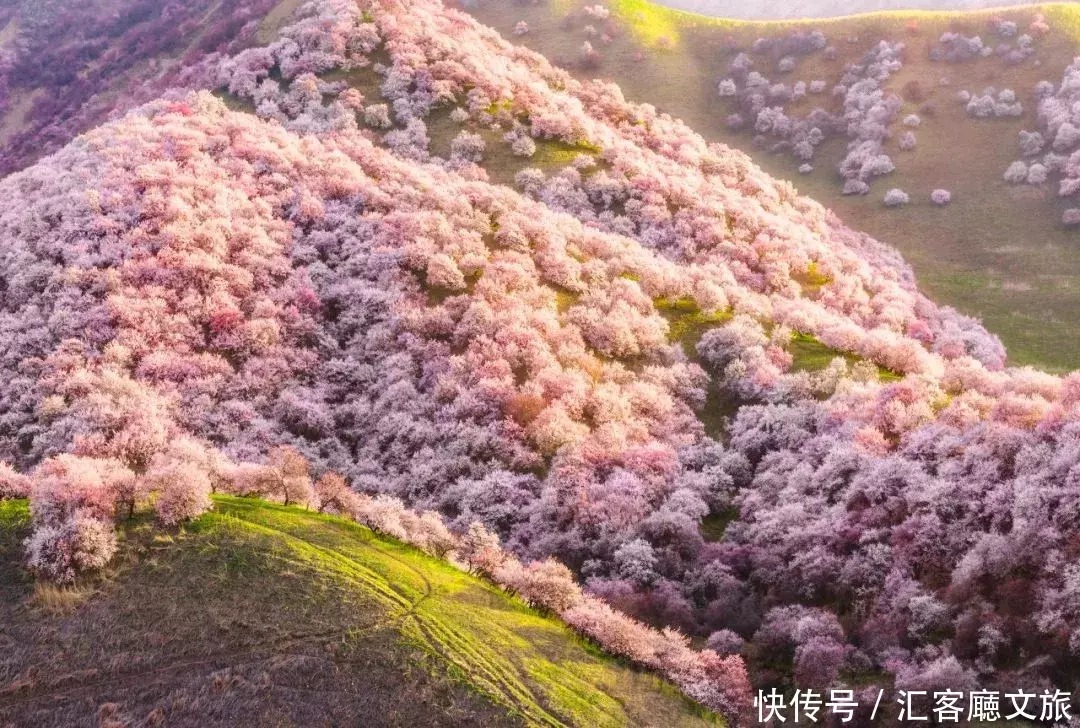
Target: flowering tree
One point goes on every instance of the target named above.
(896, 198)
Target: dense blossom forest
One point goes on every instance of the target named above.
(591, 356)
(67, 66)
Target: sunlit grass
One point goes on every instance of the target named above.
(302, 562)
(14, 514)
(687, 322)
(810, 354)
(530, 663)
(652, 24)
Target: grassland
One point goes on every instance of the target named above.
(753, 10)
(997, 252)
(259, 614)
(275, 20)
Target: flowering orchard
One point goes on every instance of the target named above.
(310, 301)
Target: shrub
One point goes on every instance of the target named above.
(1016, 173)
(74, 545)
(378, 116)
(1036, 174)
(1031, 143)
(521, 28)
(547, 584)
(914, 92)
(431, 535)
(383, 513)
(522, 145)
(182, 491)
(590, 57)
(287, 476)
(982, 107)
(13, 484)
(335, 496)
(636, 561)
(724, 642)
(941, 197)
(855, 187)
(740, 64)
(68, 484)
(720, 683)
(478, 548)
(896, 198)
(1067, 137)
(180, 480)
(467, 146)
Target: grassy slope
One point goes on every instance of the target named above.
(756, 10)
(268, 615)
(998, 252)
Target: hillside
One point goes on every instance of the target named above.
(998, 250)
(257, 614)
(67, 67)
(800, 9)
(390, 250)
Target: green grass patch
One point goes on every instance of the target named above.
(14, 514)
(532, 664)
(553, 153)
(812, 279)
(564, 299)
(653, 25)
(313, 572)
(810, 354)
(687, 322)
(714, 525)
